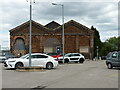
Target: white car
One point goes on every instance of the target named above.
(37, 59)
(72, 57)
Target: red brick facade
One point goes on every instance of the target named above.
(78, 38)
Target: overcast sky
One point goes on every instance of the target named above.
(102, 14)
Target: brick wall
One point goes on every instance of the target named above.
(74, 39)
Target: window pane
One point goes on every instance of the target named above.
(42, 56)
(114, 55)
(76, 55)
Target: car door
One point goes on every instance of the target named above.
(74, 57)
(38, 60)
(114, 57)
(77, 56)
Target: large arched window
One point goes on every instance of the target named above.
(19, 44)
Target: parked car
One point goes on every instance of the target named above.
(2, 59)
(103, 58)
(72, 57)
(54, 55)
(113, 59)
(37, 59)
(9, 55)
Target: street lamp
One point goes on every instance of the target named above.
(30, 31)
(97, 53)
(62, 27)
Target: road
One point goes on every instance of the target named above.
(91, 74)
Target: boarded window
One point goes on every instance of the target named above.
(84, 49)
(50, 45)
(19, 44)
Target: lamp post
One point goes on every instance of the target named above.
(62, 27)
(97, 53)
(30, 32)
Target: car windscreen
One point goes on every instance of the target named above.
(67, 55)
(109, 55)
(22, 57)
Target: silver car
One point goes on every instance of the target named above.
(113, 59)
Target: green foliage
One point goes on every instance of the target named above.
(97, 41)
(111, 44)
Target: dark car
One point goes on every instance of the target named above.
(113, 59)
(103, 57)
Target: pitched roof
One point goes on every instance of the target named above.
(27, 24)
(52, 25)
(72, 22)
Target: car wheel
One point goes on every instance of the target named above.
(66, 61)
(18, 65)
(109, 65)
(81, 60)
(49, 65)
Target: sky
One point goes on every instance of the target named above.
(102, 14)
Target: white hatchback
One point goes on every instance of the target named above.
(37, 59)
(72, 57)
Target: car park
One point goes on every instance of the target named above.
(113, 59)
(72, 57)
(37, 59)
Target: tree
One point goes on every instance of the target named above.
(97, 41)
(111, 44)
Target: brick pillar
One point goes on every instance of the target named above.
(77, 43)
(41, 44)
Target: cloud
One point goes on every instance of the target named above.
(100, 14)
(107, 34)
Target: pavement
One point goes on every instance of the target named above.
(90, 74)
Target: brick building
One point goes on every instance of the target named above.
(48, 38)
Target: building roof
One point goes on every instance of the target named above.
(26, 24)
(74, 23)
(52, 26)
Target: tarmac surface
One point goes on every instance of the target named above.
(90, 74)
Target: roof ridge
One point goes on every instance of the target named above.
(27, 22)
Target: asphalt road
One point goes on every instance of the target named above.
(90, 74)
